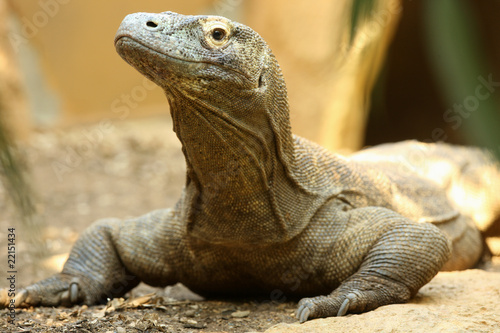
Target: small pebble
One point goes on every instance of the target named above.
(240, 314)
(190, 313)
(190, 323)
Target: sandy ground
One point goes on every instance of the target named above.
(127, 169)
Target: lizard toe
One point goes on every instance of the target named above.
(70, 296)
(349, 300)
(303, 312)
(20, 298)
(326, 306)
(309, 308)
(73, 292)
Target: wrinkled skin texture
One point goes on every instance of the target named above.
(266, 212)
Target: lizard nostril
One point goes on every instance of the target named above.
(152, 24)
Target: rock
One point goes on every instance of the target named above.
(466, 301)
(240, 314)
(190, 323)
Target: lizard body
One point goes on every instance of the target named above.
(267, 212)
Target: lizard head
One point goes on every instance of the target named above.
(189, 53)
(211, 63)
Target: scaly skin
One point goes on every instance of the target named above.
(266, 212)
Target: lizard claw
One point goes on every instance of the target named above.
(345, 304)
(73, 292)
(308, 308)
(20, 298)
(303, 312)
(325, 306)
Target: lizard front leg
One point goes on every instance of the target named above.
(395, 258)
(110, 258)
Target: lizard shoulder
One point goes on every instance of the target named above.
(317, 169)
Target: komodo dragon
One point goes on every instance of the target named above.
(266, 212)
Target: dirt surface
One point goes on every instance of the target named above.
(467, 301)
(130, 168)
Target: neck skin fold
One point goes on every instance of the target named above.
(234, 176)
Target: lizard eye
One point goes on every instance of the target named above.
(216, 34)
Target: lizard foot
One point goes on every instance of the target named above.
(60, 289)
(352, 300)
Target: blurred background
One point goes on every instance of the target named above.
(83, 135)
(358, 72)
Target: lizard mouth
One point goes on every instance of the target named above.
(123, 40)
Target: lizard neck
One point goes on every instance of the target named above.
(239, 189)
(222, 155)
